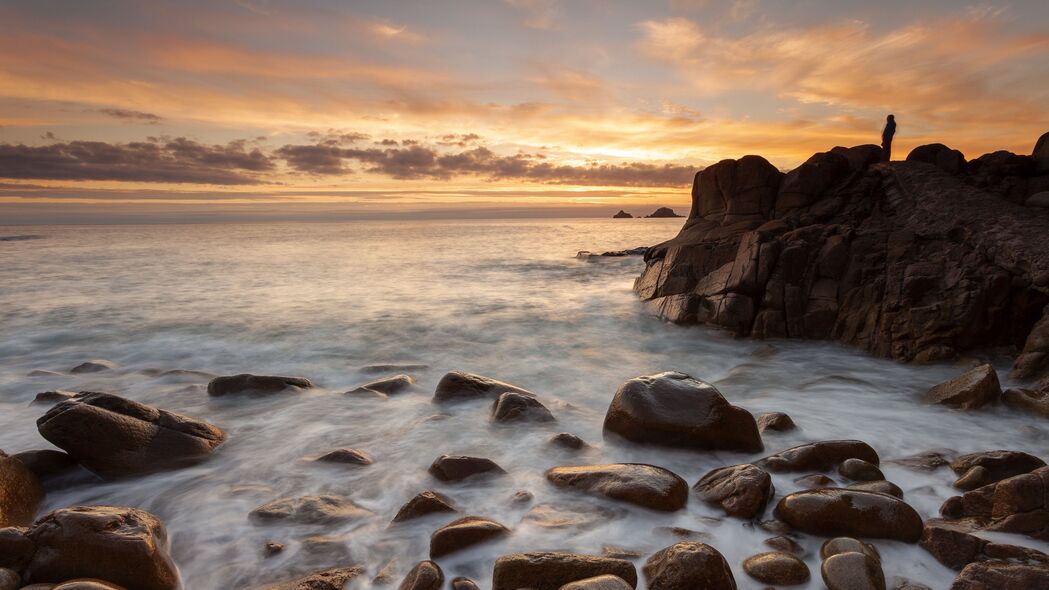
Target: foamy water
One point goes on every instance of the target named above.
(506, 299)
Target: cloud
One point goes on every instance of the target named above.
(539, 14)
(570, 83)
(130, 115)
(168, 160)
(458, 139)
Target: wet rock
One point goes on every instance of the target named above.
(852, 571)
(972, 389)
(785, 544)
(116, 437)
(16, 549)
(686, 566)
(835, 511)
(459, 385)
(673, 409)
(308, 510)
(271, 548)
(386, 386)
(569, 441)
(599, 583)
(776, 568)
(1026, 400)
(346, 456)
(20, 493)
(954, 545)
(325, 549)
(460, 467)
(424, 503)
(463, 533)
(818, 456)
(522, 497)
(927, 461)
(125, 546)
(48, 464)
(256, 384)
(95, 366)
(949, 160)
(860, 470)
(464, 584)
(330, 579)
(426, 575)
(50, 398)
(776, 422)
(87, 584)
(880, 486)
(905, 584)
(552, 570)
(848, 545)
(1019, 504)
(980, 469)
(562, 516)
(513, 406)
(814, 480)
(1002, 575)
(644, 485)
(740, 490)
(9, 579)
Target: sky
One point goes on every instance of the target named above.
(228, 109)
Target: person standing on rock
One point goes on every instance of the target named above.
(886, 138)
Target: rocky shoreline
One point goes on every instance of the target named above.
(840, 494)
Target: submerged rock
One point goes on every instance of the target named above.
(20, 493)
(50, 398)
(513, 406)
(776, 568)
(346, 456)
(460, 467)
(860, 470)
(256, 384)
(330, 579)
(836, 511)
(818, 456)
(740, 490)
(460, 385)
(688, 565)
(308, 510)
(645, 485)
(424, 503)
(116, 437)
(426, 575)
(464, 533)
(673, 409)
(95, 366)
(386, 385)
(776, 422)
(567, 440)
(972, 389)
(552, 570)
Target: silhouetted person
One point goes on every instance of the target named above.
(886, 138)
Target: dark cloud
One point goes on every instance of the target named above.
(456, 139)
(129, 115)
(174, 160)
(336, 137)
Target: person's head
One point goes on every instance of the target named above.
(891, 118)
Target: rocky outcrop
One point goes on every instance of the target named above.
(644, 485)
(663, 212)
(554, 569)
(974, 388)
(256, 385)
(979, 469)
(1019, 504)
(116, 437)
(904, 260)
(622, 215)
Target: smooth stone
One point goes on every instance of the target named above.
(256, 384)
(424, 503)
(776, 568)
(387, 385)
(785, 544)
(15, 548)
(569, 441)
(848, 545)
(426, 575)
(459, 385)
(844, 512)
(95, 366)
(645, 485)
(47, 464)
(308, 510)
(776, 422)
(972, 389)
(860, 470)
(346, 456)
(814, 481)
(460, 467)
(514, 406)
(464, 533)
(741, 490)
(606, 582)
(686, 566)
(852, 571)
(21, 493)
(461, 583)
(550, 570)
(87, 584)
(818, 456)
(881, 486)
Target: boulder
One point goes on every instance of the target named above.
(16, 549)
(818, 456)
(1019, 504)
(607, 582)
(1002, 163)
(116, 437)
(860, 470)
(880, 486)
(514, 406)
(645, 485)
(330, 579)
(460, 467)
(775, 421)
(979, 469)
(552, 570)
(1002, 575)
(426, 575)
(464, 533)
(9, 579)
(972, 389)
(812, 181)
(740, 490)
(461, 583)
(459, 385)
(622, 215)
(308, 510)
(95, 366)
(424, 503)
(124, 546)
(386, 385)
(848, 545)
(20, 493)
(860, 157)
(1041, 154)
(735, 189)
(1026, 400)
(688, 566)
(346, 456)
(814, 480)
(567, 440)
(954, 545)
(852, 571)
(836, 511)
(939, 155)
(673, 409)
(256, 384)
(776, 568)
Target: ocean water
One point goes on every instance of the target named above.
(506, 299)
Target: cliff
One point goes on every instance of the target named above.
(916, 261)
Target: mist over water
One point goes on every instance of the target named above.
(506, 299)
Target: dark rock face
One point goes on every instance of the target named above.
(47, 464)
(329, 579)
(776, 422)
(459, 467)
(644, 485)
(852, 571)
(946, 159)
(819, 456)
(1019, 504)
(116, 437)
(386, 385)
(422, 504)
(460, 385)
(979, 469)
(426, 575)
(308, 510)
(673, 409)
(15, 548)
(622, 215)
(835, 511)
(512, 406)
(902, 259)
(664, 212)
(346, 456)
(20, 493)
(463, 533)
(553, 570)
(776, 568)
(686, 566)
(954, 545)
(125, 546)
(741, 490)
(1002, 575)
(256, 384)
(974, 388)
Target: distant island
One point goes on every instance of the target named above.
(664, 212)
(622, 215)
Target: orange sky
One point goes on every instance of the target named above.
(385, 107)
